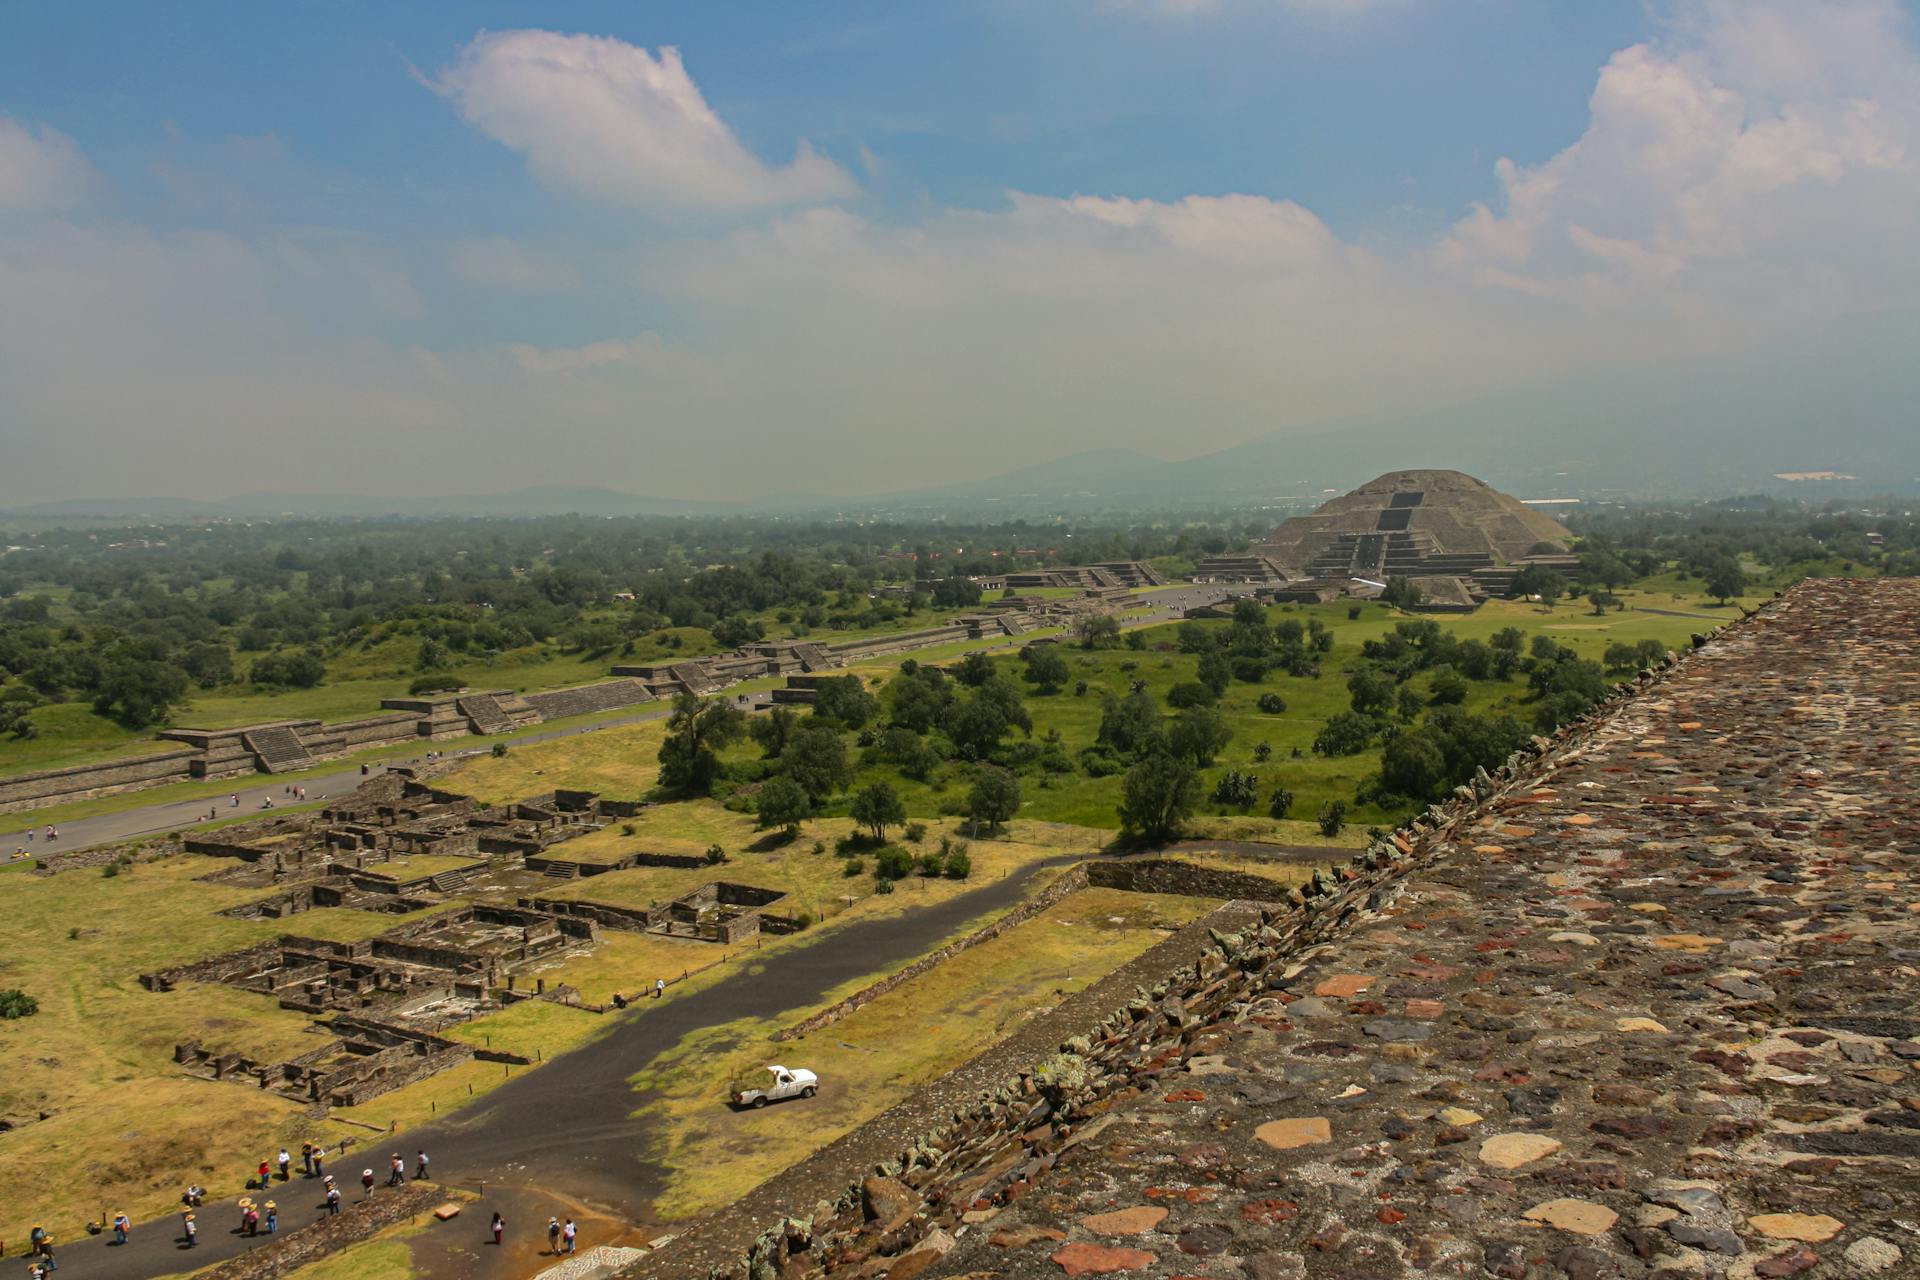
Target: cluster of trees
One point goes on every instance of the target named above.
(135, 620)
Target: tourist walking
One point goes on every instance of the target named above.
(273, 1217)
(192, 1230)
(266, 1174)
(320, 1162)
(366, 1183)
(333, 1202)
(420, 1166)
(553, 1236)
(121, 1225)
(567, 1234)
(659, 987)
(306, 1159)
(397, 1172)
(286, 1165)
(499, 1227)
(38, 1239)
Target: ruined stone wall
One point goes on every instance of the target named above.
(280, 1255)
(1169, 875)
(87, 781)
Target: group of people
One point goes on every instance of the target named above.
(53, 834)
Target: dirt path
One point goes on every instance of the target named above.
(563, 1138)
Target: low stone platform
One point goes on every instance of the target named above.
(1644, 1005)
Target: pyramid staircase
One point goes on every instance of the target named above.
(484, 713)
(278, 749)
(813, 657)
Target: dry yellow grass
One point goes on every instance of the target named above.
(877, 1055)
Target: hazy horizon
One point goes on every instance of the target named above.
(673, 253)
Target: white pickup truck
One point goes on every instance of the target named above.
(786, 1084)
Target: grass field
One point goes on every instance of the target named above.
(876, 1055)
(122, 1121)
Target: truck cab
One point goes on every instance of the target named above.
(782, 1083)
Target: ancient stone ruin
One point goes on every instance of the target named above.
(1459, 540)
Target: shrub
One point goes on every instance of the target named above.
(1236, 789)
(883, 886)
(1353, 612)
(15, 1003)
(437, 683)
(1262, 751)
(111, 870)
(915, 832)
(715, 855)
(929, 865)
(1189, 693)
(959, 864)
(499, 750)
(893, 863)
(627, 828)
(803, 921)
(1282, 803)
(1333, 818)
(1272, 704)
(819, 847)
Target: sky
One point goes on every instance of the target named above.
(724, 251)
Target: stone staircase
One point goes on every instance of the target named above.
(451, 881)
(278, 749)
(483, 712)
(813, 657)
(694, 677)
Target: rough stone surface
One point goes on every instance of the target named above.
(1758, 793)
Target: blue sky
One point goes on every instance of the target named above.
(530, 235)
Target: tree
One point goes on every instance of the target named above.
(1538, 580)
(1725, 579)
(1129, 726)
(696, 730)
(1413, 766)
(1215, 670)
(1190, 693)
(1402, 594)
(1199, 734)
(432, 655)
(994, 799)
(816, 759)
(1346, 734)
(876, 807)
(1332, 818)
(1281, 804)
(1448, 688)
(783, 803)
(1158, 795)
(774, 730)
(974, 670)
(208, 665)
(140, 692)
(1372, 691)
(1272, 704)
(921, 697)
(1047, 668)
(845, 699)
(1098, 631)
(287, 670)
(956, 593)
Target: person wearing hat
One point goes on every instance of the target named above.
(192, 1229)
(366, 1183)
(333, 1199)
(273, 1216)
(397, 1171)
(553, 1236)
(121, 1225)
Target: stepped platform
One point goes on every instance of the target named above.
(484, 713)
(1637, 1006)
(277, 748)
(588, 699)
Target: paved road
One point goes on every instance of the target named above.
(563, 1138)
(129, 824)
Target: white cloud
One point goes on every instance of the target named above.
(504, 263)
(1747, 177)
(1756, 166)
(40, 168)
(617, 123)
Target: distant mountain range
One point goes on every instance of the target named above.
(1735, 427)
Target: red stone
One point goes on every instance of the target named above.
(1100, 1260)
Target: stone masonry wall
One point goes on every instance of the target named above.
(87, 781)
(1169, 875)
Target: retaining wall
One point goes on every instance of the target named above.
(1169, 875)
(86, 781)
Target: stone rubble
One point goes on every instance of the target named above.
(1642, 1003)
